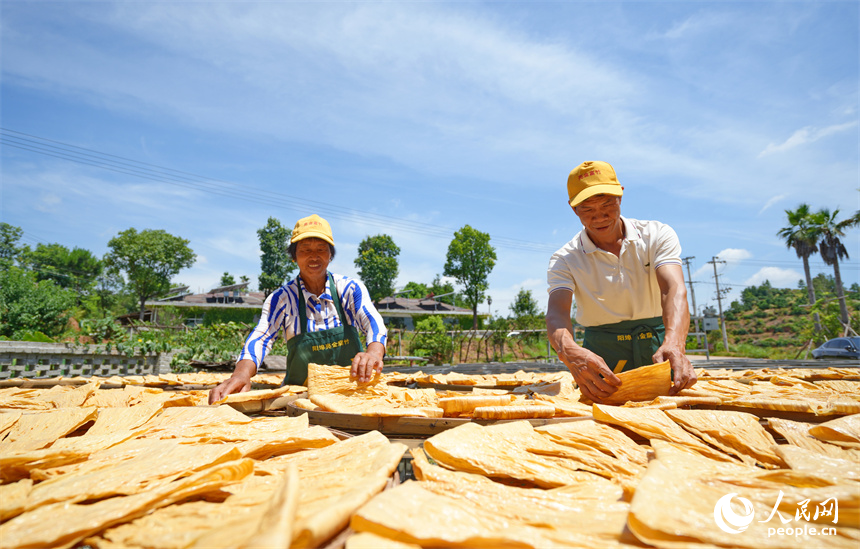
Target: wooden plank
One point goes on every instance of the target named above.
(762, 413)
(415, 426)
(444, 386)
(536, 422)
(387, 425)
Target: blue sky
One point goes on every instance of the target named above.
(416, 118)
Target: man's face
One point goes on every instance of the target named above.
(313, 256)
(600, 214)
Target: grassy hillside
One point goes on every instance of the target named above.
(776, 323)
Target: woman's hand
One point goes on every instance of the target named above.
(366, 364)
(239, 382)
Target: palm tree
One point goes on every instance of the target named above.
(832, 249)
(800, 235)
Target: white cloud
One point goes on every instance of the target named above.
(733, 255)
(778, 278)
(415, 83)
(48, 202)
(448, 280)
(804, 136)
(695, 25)
(771, 202)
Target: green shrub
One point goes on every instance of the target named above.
(215, 343)
(767, 342)
(225, 316)
(36, 336)
(431, 341)
(28, 305)
(102, 329)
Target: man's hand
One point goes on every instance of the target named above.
(366, 364)
(239, 382)
(683, 375)
(596, 381)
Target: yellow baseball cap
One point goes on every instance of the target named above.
(592, 178)
(312, 226)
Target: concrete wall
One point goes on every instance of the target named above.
(24, 359)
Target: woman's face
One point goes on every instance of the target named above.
(313, 256)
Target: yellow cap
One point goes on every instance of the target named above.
(592, 178)
(312, 226)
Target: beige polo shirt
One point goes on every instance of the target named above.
(608, 288)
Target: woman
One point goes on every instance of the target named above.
(321, 314)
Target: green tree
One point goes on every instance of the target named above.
(28, 305)
(10, 251)
(77, 269)
(227, 279)
(108, 293)
(824, 285)
(831, 322)
(832, 248)
(801, 236)
(275, 263)
(414, 290)
(446, 290)
(377, 265)
(149, 259)
(470, 260)
(431, 340)
(524, 309)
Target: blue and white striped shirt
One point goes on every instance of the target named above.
(280, 312)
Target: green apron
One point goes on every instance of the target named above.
(626, 345)
(335, 346)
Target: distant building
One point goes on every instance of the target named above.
(396, 311)
(195, 307)
(405, 309)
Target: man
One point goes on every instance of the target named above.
(626, 277)
(322, 315)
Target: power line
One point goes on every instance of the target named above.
(153, 172)
(237, 191)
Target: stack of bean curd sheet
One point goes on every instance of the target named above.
(737, 461)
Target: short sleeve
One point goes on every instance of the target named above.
(559, 276)
(667, 247)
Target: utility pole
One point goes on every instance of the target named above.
(714, 260)
(687, 261)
